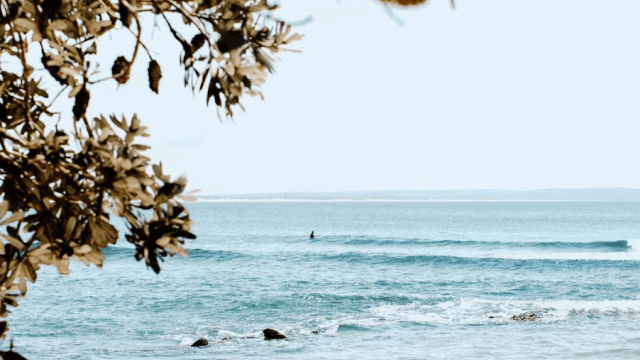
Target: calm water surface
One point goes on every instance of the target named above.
(402, 280)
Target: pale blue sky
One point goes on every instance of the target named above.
(495, 94)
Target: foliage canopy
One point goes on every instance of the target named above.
(61, 188)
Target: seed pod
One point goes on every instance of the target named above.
(154, 75)
(125, 14)
(120, 70)
(81, 104)
(197, 42)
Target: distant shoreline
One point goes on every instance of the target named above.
(545, 195)
(268, 200)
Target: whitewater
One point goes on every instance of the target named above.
(395, 279)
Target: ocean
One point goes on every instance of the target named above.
(383, 280)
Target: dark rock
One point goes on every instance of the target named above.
(11, 355)
(524, 317)
(201, 342)
(314, 332)
(270, 334)
(491, 317)
(224, 340)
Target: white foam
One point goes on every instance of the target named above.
(630, 255)
(187, 342)
(234, 335)
(477, 311)
(467, 311)
(461, 311)
(634, 244)
(613, 256)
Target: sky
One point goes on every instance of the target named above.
(512, 95)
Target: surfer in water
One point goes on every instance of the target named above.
(311, 236)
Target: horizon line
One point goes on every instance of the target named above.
(410, 190)
(539, 195)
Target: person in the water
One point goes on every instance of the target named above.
(311, 237)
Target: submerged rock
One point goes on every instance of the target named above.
(201, 342)
(271, 334)
(524, 317)
(314, 332)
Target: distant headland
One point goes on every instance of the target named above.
(593, 194)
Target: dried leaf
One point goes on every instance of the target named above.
(75, 90)
(13, 241)
(197, 41)
(125, 14)
(93, 49)
(230, 40)
(154, 75)
(69, 227)
(4, 206)
(58, 25)
(263, 60)
(214, 92)
(120, 70)
(82, 103)
(24, 25)
(14, 217)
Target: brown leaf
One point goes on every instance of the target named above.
(93, 49)
(197, 42)
(230, 40)
(120, 70)
(4, 206)
(263, 59)
(18, 215)
(154, 75)
(68, 229)
(51, 7)
(214, 92)
(125, 14)
(13, 241)
(81, 104)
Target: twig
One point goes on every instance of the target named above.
(86, 124)
(25, 79)
(197, 24)
(56, 97)
(138, 38)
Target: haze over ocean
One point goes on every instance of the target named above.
(436, 280)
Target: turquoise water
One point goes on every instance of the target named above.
(402, 280)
